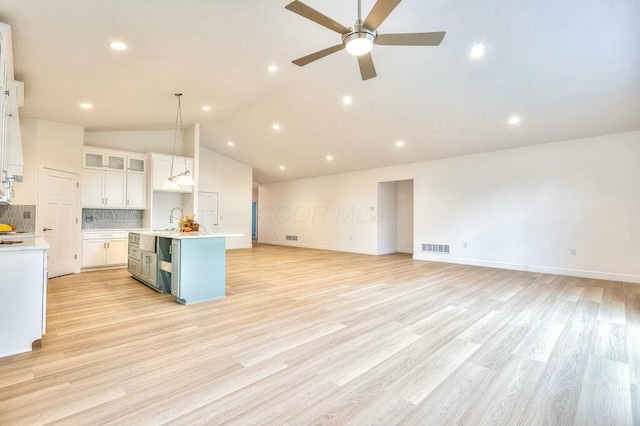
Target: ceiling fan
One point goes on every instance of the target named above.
(362, 36)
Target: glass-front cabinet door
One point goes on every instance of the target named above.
(137, 164)
(93, 160)
(116, 162)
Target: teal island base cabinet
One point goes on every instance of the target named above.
(192, 267)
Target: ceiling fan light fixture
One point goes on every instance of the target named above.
(359, 42)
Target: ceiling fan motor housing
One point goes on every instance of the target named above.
(358, 31)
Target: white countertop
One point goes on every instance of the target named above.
(28, 243)
(117, 230)
(186, 235)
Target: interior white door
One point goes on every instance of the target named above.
(208, 211)
(58, 219)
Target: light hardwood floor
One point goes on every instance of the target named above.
(318, 337)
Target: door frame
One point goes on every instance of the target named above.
(77, 208)
(217, 195)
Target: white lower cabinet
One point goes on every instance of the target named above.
(23, 298)
(104, 249)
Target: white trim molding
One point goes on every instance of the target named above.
(611, 276)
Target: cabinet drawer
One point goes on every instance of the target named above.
(134, 253)
(134, 267)
(101, 235)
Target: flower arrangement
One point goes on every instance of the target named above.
(189, 224)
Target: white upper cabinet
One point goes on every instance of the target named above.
(136, 191)
(96, 159)
(114, 179)
(11, 98)
(15, 160)
(137, 164)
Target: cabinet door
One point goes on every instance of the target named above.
(13, 152)
(145, 266)
(136, 165)
(136, 191)
(175, 268)
(115, 189)
(92, 188)
(93, 253)
(116, 253)
(116, 162)
(94, 160)
(161, 171)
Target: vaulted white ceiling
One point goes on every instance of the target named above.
(570, 69)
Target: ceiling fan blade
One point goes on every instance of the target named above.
(367, 70)
(315, 16)
(379, 13)
(414, 39)
(301, 62)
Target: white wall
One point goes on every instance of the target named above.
(47, 144)
(233, 181)
(387, 215)
(405, 216)
(523, 208)
(143, 141)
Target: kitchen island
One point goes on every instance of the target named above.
(23, 293)
(189, 265)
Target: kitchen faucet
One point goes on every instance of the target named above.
(171, 216)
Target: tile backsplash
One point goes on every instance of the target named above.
(22, 216)
(111, 219)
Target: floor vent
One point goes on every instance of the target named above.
(292, 238)
(436, 248)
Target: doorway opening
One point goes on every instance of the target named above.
(395, 217)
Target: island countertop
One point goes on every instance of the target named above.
(189, 235)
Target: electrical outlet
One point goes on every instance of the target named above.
(464, 245)
(572, 252)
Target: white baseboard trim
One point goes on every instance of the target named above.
(395, 250)
(532, 268)
(387, 251)
(316, 247)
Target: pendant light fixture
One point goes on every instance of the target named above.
(175, 181)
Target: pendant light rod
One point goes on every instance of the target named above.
(174, 181)
(175, 133)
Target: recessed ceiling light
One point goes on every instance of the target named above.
(86, 106)
(282, 167)
(272, 68)
(230, 143)
(400, 144)
(206, 108)
(329, 157)
(514, 120)
(276, 127)
(118, 45)
(347, 100)
(477, 51)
